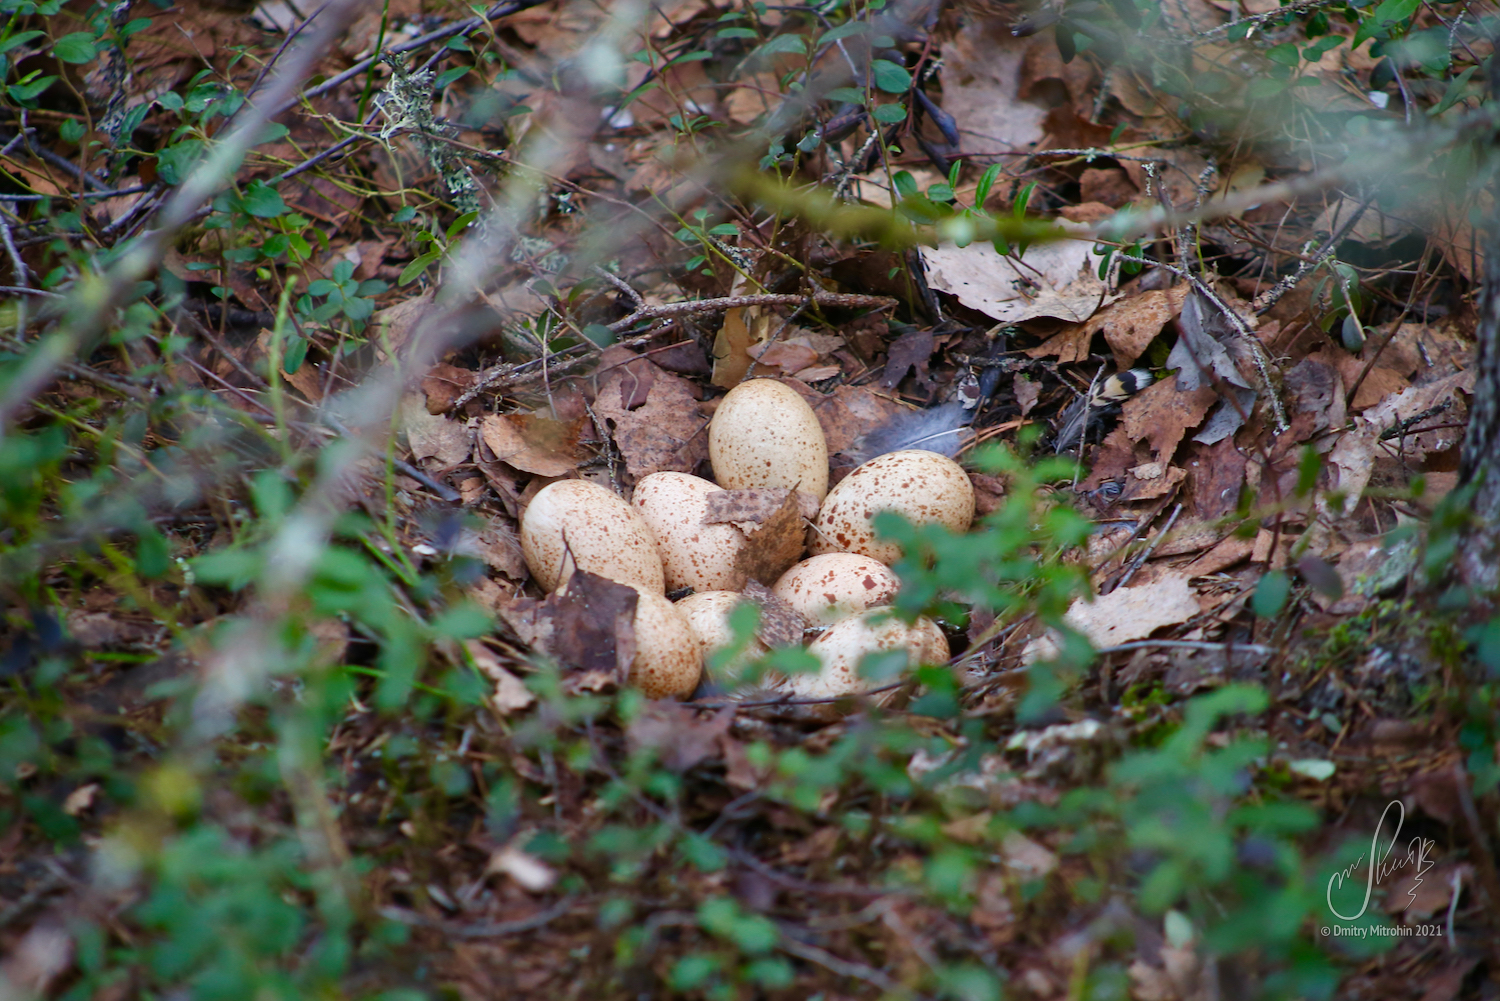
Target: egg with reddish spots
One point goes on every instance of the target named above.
(764, 434)
(924, 487)
(668, 661)
(575, 524)
(707, 614)
(693, 554)
(834, 586)
(845, 644)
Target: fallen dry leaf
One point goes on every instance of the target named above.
(665, 434)
(444, 383)
(497, 546)
(679, 735)
(1163, 413)
(527, 870)
(510, 694)
(533, 444)
(981, 74)
(773, 519)
(589, 629)
(1132, 613)
(434, 437)
(1059, 278)
(780, 624)
(744, 328)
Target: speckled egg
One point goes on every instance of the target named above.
(925, 487)
(841, 648)
(765, 435)
(834, 586)
(707, 614)
(693, 554)
(668, 658)
(575, 523)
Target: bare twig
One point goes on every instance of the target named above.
(484, 929)
(842, 967)
(841, 300)
(1189, 645)
(1145, 553)
(1272, 295)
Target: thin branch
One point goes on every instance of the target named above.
(1272, 295)
(484, 929)
(841, 300)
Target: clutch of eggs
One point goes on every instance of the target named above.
(763, 434)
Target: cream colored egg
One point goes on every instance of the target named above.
(668, 659)
(925, 487)
(765, 435)
(834, 586)
(693, 554)
(575, 523)
(707, 614)
(841, 648)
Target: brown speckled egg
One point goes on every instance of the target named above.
(668, 659)
(707, 614)
(765, 435)
(925, 487)
(577, 523)
(841, 648)
(834, 586)
(693, 554)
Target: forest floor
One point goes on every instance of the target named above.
(277, 717)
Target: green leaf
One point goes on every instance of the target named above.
(1285, 54)
(986, 182)
(27, 93)
(410, 273)
(460, 43)
(272, 132)
(782, 44)
(846, 95)
(294, 355)
(174, 162)
(737, 33)
(1383, 19)
(599, 335)
(262, 201)
(846, 30)
(1454, 92)
(889, 77)
(71, 131)
(448, 76)
(19, 38)
(890, 114)
(1271, 594)
(1018, 210)
(359, 309)
(1264, 87)
(321, 286)
(463, 621)
(231, 568)
(459, 225)
(76, 48)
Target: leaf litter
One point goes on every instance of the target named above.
(1199, 439)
